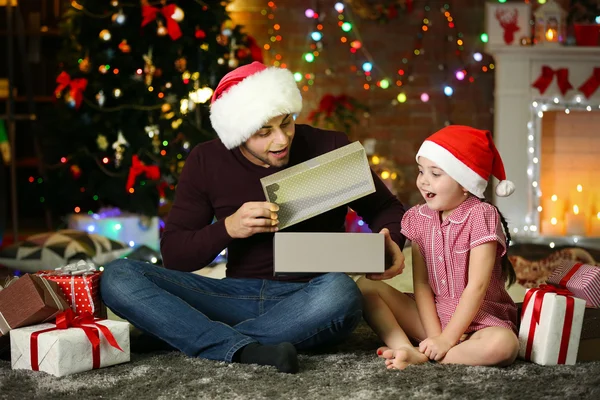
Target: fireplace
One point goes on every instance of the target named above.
(549, 138)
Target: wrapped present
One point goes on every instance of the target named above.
(583, 280)
(320, 184)
(80, 283)
(551, 322)
(29, 300)
(74, 344)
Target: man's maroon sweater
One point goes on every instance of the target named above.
(215, 182)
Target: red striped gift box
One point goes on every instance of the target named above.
(583, 280)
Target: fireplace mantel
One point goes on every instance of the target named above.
(516, 68)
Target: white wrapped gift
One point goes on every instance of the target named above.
(63, 352)
(132, 229)
(550, 326)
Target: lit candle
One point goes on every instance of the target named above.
(551, 35)
(575, 222)
(553, 207)
(595, 225)
(553, 227)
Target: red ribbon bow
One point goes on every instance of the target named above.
(66, 320)
(591, 85)
(77, 85)
(149, 14)
(138, 168)
(537, 311)
(545, 79)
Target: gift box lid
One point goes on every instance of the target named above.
(320, 184)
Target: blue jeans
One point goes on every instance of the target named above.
(213, 318)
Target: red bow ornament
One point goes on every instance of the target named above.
(149, 14)
(77, 86)
(589, 87)
(545, 79)
(87, 322)
(137, 168)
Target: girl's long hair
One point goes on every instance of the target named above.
(507, 268)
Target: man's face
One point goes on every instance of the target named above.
(270, 146)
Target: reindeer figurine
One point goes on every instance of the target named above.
(508, 22)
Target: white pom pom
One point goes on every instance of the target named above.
(505, 188)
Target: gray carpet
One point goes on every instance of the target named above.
(349, 371)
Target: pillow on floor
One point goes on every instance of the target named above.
(56, 249)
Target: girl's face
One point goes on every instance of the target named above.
(440, 191)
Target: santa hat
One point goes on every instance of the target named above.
(469, 156)
(248, 97)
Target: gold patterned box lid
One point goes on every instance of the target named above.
(319, 184)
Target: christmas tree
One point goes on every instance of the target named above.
(134, 89)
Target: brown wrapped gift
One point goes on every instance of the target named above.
(29, 300)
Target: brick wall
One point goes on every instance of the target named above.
(399, 129)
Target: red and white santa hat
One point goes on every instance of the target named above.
(249, 96)
(469, 156)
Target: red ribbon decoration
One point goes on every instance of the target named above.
(66, 320)
(138, 168)
(149, 14)
(537, 311)
(545, 79)
(591, 85)
(77, 85)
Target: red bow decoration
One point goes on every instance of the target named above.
(77, 85)
(138, 168)
(591, 85)
(537, 311)
(545, 79)
(149, 14)
(66, 320)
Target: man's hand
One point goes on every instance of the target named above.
(394, 259)
(435, 348)
(251, 218)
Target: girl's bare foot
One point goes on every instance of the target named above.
(382, 350)
(403, 357)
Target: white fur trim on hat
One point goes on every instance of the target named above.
(457, 170)
(505, 188)
(241, 111)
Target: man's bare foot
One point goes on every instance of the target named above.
(403, 357)
(382, 350)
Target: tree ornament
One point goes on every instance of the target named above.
(100, 98)
(85, 65)
(105, 35)
(181, 64)
(149, 67)
(124, 46)
(223, 40)
(75, 171)
(102, 142)
(200, 34)
(178, 14)
(165, 108)
(233, 62)
(119, 18)
(77, 86)
(161, 30)
(102, 69)
(119, 147)
(117, 93)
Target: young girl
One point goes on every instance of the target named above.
(461, 312)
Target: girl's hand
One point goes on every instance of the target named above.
(436, 347)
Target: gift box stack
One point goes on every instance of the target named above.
(555, 322)
(52, 321)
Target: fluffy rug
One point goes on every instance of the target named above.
(349, 371)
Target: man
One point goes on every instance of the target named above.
(250, 316)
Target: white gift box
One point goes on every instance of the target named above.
(68, 351)
(132, 229)
(548, 334)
